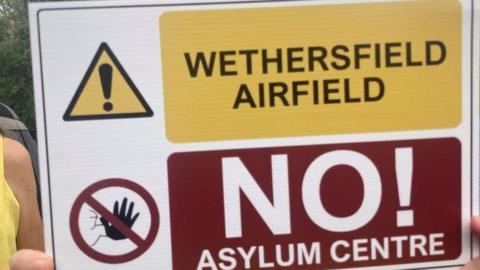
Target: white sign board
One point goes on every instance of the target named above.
(258, 134)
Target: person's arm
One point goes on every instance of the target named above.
(20, 177)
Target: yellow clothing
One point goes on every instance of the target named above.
(9, 216)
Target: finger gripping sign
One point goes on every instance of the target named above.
(118, 225)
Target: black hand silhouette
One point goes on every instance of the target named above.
(126, 219)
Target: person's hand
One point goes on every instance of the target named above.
(475, 263)
(27, 259)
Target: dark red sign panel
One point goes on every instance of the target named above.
(316, 207)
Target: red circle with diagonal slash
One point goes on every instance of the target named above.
(86, 198)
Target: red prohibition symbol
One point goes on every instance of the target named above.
(86, 198)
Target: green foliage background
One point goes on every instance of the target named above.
(16, 89)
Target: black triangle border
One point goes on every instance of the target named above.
(104, 47)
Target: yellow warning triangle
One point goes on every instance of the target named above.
(106, 92)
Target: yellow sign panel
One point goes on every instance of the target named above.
(106, 92)
(311, 70)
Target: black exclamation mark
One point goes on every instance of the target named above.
(106, 78)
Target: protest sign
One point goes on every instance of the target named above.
(258, 134)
